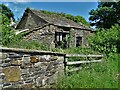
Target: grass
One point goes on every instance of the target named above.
(28, 44)
(76, 50)
(100, 75)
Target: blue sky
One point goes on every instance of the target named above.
(74, 8)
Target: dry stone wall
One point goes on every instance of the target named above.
(29, 68)
(45, 35)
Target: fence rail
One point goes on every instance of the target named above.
(80, 62)
(79, 55)
(68, 63)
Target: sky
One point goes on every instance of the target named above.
(74, 8)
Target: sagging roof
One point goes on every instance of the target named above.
(57, 20)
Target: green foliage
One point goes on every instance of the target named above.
(0, 28)
(106, 15)
(28, 44)
(80, 50)
(98, 75)
(77, 19)
(57, 50)
(6, 11)
(106, 41)
(76, 50)
(7, 34)
(4, 20)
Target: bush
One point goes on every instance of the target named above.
(80, 50)
(7, 34)
(28, 44)
(105, 41)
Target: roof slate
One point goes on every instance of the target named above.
(58, 20)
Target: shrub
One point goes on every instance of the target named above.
(28, 44)
(7, 34)
(105, 40)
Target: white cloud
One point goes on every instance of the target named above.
(6, 4)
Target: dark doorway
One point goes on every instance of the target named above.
(78, 41)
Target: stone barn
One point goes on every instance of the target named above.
(52, 29)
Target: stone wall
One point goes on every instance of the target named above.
(85, 35)
(30, 21)
(45, 35)
(29, 68)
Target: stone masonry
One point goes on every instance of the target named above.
(29, 68)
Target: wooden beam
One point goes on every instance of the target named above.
(79, 55)
(80, 62)
(74, 69)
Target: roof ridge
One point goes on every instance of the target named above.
(57, 19)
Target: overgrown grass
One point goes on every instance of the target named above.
(76, 50)
(98, 75)
(28, 44)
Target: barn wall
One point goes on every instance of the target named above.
(30, 21)
(21, 24)
(85, 35)
(78, 33)
(45, 35)
(75, 33)
(39, 21)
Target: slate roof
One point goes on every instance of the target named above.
(58, 20)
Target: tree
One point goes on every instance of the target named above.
(6, 11)
(77, 19)
(106, 15)
(6, 32)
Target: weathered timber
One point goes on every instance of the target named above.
(80, 55)
(80, 62)
(74, 69)
(17, 32)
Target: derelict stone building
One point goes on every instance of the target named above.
(52, 29)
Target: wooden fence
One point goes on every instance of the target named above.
(89, 59)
